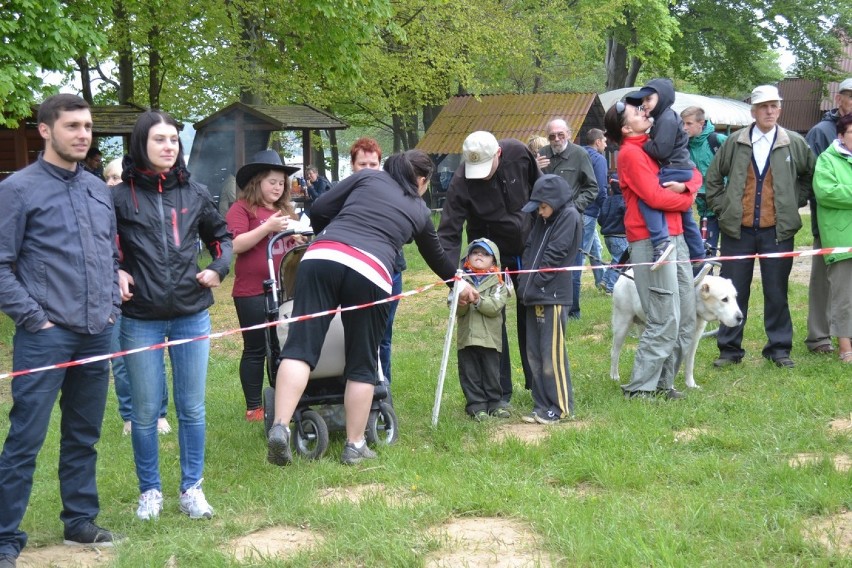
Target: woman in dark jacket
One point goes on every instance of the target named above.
(360, 225)
(161, 216)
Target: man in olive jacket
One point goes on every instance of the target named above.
(769, 171)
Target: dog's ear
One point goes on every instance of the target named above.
(705, 290)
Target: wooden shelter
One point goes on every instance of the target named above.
(20, 146)
(225, 140)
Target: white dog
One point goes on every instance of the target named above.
(715, 300)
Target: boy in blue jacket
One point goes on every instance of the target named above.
(553, 243)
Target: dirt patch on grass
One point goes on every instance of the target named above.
(480, 541)
(689, 434)
(61, 556)
(531, 433)
(273, 542)
(842, 462)
(841, 426)
(834, 533)
(358, 493)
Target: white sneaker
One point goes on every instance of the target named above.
(150, 505)
(193, 503)
(163, 426)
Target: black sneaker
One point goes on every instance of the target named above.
(352, 455)
(670, 394)
(278, 445)
(8, 561)
(90, 534)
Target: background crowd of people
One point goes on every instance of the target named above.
(132, 246)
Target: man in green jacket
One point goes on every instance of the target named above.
(769, 171)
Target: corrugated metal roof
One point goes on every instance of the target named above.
(845, 66)
(800, 108)
(721, 111)
(507, 116)
(279, 117)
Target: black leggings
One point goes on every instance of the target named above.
(251, 310)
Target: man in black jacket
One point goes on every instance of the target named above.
(488, 191)
(571, 162)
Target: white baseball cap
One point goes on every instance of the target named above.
(479, 149)
(846, 85)
(765, 93)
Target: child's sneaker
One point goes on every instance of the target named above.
(193, 503)
(530, 418)
(150, 505)
(548, 417)
(480, 416)
(254, 415)
(661, 253)
(702, 272)
(500, 413)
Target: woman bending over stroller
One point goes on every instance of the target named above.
(360, 225)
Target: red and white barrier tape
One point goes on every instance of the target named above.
(420, 290)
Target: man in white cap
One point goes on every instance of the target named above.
(756, 183)
(819, 138)
(487, 192)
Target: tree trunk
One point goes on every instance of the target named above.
(335, 155)
(125, 55)
(412, 136)
(398, 135)
(430, 113)
(618, 74)
(85, 78)
(154, 84)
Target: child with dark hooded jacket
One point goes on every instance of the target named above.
(669, 146)
(479, 338)
(553, 244)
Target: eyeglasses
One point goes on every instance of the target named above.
(555, 135)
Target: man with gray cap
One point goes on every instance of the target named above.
(488, 191)
(756, 183)
(819, 138)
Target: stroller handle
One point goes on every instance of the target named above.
(269, 258)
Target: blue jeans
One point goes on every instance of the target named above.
(592, 245)
(189, 375)
(385, 345)
(122, 383)
(83, 398)
(616, 247)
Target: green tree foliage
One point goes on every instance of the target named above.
(37, 36)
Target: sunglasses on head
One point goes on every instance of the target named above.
(620, 107)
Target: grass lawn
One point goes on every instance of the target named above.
(702, 482)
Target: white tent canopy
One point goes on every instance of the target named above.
(721, 111)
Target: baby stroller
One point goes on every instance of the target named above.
(320, 409)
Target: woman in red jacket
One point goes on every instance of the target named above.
(667, 294)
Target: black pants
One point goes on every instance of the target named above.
(251, 310)
(479, 370)
(505, 359)
(774, 275)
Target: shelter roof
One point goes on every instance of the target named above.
(506, 116)
(278, 117)
(721, 111)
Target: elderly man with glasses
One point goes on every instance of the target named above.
(571, 162)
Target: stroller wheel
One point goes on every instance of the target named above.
(310, 435)
(268, 409)
(382, 426)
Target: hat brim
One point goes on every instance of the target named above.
(248, 171)
(480, 244)
(478, 171)
(530, 206)
(639, 95)
(759, 100)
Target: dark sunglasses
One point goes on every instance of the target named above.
(556, 135)
(620, 107)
